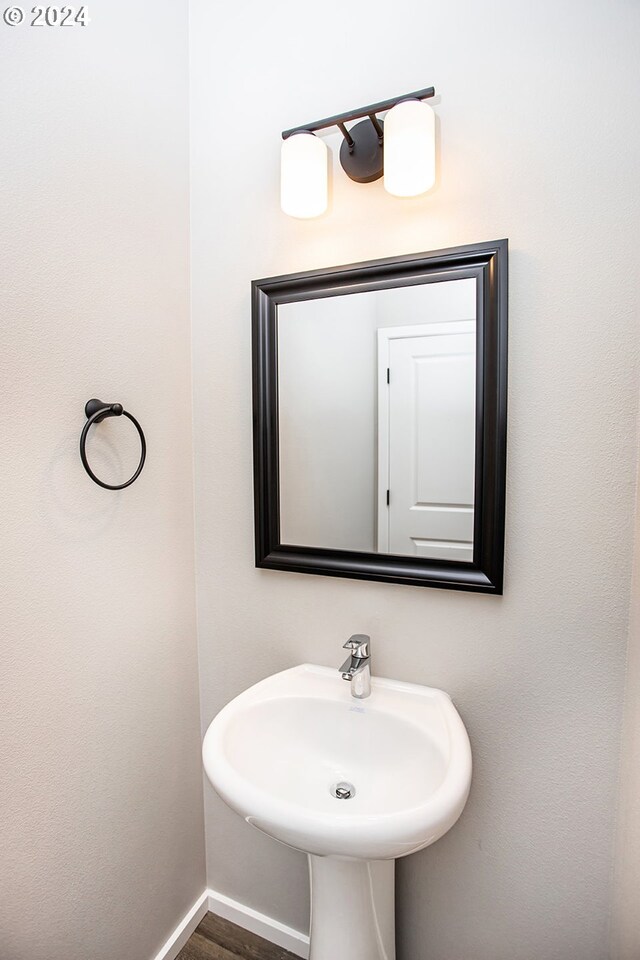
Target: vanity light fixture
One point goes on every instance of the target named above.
(404, 152)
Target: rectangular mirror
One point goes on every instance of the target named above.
(380, 419)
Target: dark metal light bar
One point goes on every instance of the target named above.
(341, 118)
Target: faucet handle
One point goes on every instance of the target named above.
(358, 644)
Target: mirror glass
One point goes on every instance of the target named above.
(377, 420)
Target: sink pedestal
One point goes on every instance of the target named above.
(352, 909)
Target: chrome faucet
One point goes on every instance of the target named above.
(357, 666)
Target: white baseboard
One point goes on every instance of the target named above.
(177, 940)
(258, 923)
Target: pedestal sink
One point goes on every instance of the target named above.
(354, 784)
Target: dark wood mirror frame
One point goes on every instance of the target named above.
(488, 264)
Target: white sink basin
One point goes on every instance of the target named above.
(275, 753)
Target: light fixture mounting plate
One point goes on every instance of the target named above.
(363, 161)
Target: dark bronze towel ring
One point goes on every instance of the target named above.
(96, 411)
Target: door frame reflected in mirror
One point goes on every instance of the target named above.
(488, 264)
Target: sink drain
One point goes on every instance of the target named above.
(343, 790)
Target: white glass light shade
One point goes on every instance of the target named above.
(303, 176)
(409, 149)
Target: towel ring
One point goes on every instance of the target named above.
(96, 411)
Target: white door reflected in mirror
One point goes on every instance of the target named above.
(377, 420)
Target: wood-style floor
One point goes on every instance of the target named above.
(218, 939)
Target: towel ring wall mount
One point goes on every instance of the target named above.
(96, 411)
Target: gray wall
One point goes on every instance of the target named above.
(539, 142)
(626, 917)
(101, 824)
